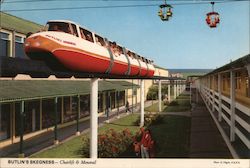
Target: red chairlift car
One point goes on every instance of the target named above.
(213, 18)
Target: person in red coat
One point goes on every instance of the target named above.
(145, 143)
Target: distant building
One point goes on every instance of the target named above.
(177, 75)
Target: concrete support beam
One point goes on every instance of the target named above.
(132, 108)
(169, 92)
(21, 154)
(40, 114)
(159, 96)
(78, 114)
(55, 127)
(232, 98)
(190, 92)
(175, 90)
(93, 117)
(118, 103)
(142, 102)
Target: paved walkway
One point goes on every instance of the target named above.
(205, 139)
(45, 140)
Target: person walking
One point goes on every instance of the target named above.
(127, 107)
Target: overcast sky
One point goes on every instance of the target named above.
(183, 42)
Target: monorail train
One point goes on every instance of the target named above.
(78, 49)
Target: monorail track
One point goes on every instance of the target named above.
(11, 67)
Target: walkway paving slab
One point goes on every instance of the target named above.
(205, 139)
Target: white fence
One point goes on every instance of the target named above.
(228, 109)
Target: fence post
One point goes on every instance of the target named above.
(213, 91)
(232, 98)
(219, 91)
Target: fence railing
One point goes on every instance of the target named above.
(235, 115)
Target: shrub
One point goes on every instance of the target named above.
(150, 119)
(174, 103)
(158, 120)
(165, 102)
(111, 143)
(152, 93)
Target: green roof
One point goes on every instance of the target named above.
(17, 90)
(124, 84)
(17, 24)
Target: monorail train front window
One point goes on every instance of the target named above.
(62, 27)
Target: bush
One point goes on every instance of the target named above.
(111, 143)
(152, 93)
(158, 120)
(150, 119)
(174, 103)
(165, 102)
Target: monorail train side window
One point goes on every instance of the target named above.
(59, 26)
(129, 53)
(120, 51)
(87, 35)
(74, 30)
(99, 40)
(82, 34)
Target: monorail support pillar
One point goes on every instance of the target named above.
(132, 110)
(178, 88)
(78, 114)
(232, 97)
(55, 128)
(174, 89)
(190, 90)
(118, 103)
(142, 102)
(21, 154)
(93, 117)
(169, 92)
(159, 96)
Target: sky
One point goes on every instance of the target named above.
(185, 41)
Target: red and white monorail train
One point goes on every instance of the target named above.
(79, 49)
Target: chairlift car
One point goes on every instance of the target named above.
(165, 11)
(213, 18)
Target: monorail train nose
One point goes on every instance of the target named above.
(32, 42)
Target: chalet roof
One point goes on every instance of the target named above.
(17, 90)
(17, 24)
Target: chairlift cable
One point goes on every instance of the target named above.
(113, 6)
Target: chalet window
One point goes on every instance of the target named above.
(224, 82)
(4, 44)
(4, 121)
(85, 105)
(19, 50)
(247, 86)
(238, 80)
